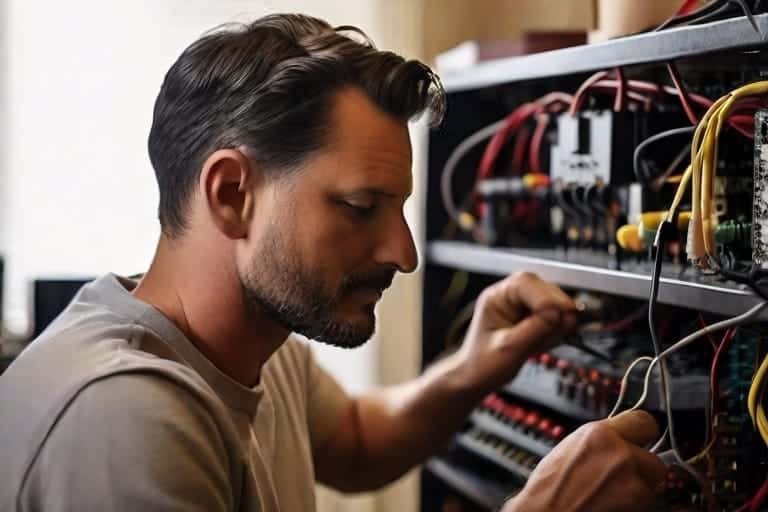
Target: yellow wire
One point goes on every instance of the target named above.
(705, 144)
(681, 188)
(754, 404)
(702, 172)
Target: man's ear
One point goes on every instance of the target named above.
(228, 184)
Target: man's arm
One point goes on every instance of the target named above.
(599, 468)
(132, 442)
(383, 434)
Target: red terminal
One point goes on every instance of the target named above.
(510, 411)
(594, 376)
(557, 432)
(544, 425)
(532, 419)
(518, 415)
(611, 384)
(547, 360)
(563, 366)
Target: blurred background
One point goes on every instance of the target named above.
(78, 198)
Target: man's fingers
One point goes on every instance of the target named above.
(532, 334)
(525, 293)
(636, 427)
(640, 428)
(652, 469)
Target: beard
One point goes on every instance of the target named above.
(298, 299)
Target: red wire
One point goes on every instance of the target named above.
(497, 142)
(759, 497)
(722, 348)
(753, 505)
(542, 121)
(713, 382)
(687, 7)
(624, 323)
(621, 97)
(711, 338)
(611, 85)
(512, 123)
(518, 154)
(684, 99)
(629, 89)
(578, 98)
(744, 126)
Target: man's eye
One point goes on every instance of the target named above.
(360, 210)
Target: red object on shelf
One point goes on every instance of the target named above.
(532, 419)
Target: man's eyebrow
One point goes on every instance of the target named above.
(376, 191)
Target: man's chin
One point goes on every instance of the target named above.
(347, 334)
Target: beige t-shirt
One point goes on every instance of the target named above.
(113, 408)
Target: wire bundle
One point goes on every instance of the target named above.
(702, 171)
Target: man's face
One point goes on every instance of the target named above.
(327, 240)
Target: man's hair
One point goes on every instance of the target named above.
(269, 85)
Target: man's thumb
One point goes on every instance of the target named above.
(636, 427)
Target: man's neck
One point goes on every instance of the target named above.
(201, 294)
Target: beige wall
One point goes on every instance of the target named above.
(447, 23)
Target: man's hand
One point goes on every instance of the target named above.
(599, 468)
(513, 319)
(385, 432)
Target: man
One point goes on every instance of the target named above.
(282, 155)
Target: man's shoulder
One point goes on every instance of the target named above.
(93, 365)
(147, 427)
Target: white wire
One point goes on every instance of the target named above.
(446, 179)
(625, 383)
(719, 326)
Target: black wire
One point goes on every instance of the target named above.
(557, 192)
(741, 4)
(756, 279)
(686, 130)
(717, 14)
(665, 229)
(679, 20)
(581, 203)
(595, 203)
(658, 181)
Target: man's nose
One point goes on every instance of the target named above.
(397, 248)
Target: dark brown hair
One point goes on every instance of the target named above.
(269, 85)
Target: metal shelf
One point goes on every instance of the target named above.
(488, 453)
(486, 494)
(731, 34)
(590, 271)
(488, 423)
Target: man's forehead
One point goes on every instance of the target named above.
(372, 148)
(356, 122)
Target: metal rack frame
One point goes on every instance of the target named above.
(730, 34)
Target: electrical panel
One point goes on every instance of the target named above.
(641, 188)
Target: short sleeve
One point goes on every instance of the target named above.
(327, 402)
(133, 442)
